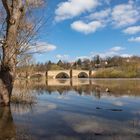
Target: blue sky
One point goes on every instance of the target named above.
(85, 28)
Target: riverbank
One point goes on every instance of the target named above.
(116, 73)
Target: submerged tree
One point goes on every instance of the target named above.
(17, 30)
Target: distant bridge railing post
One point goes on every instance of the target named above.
(71, 73)
(46, 75)
(90, 74)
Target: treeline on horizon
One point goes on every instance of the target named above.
(109, 67)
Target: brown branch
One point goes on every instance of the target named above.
(7, 7)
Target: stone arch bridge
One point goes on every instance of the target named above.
(56, 74)
(69, 74)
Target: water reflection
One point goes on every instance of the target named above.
(75, 110)
(7, 126)
(86, 87)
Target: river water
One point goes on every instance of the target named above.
(74, 110)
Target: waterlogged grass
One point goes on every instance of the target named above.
(23, 99)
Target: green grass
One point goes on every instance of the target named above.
(116, 73)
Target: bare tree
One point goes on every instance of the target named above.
(17, 31)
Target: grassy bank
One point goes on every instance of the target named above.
(117, 73)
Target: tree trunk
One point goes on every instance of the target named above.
(8, 65)
(6, 86)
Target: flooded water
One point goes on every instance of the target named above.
(74, 110)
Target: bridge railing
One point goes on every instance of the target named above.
(52, 74)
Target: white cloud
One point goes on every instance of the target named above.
(121, 15)
(83, 57)
(126, 55)
(72, 8)
(86, 28)
(115, 51)
(111, 54)
(125, 14)
(100, 15)
(118, 103)
(107, 1)
(132, 30)
(96, 21)
(134, 39)
(117, 48)
(42, 47)
(62, 57)
(105, 54)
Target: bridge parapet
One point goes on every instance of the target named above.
(54, 74)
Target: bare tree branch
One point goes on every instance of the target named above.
(7, 7)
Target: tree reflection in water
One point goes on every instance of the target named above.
(7, 126)
(11, 130)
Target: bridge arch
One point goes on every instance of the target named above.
(62, 75)
(83, 75)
